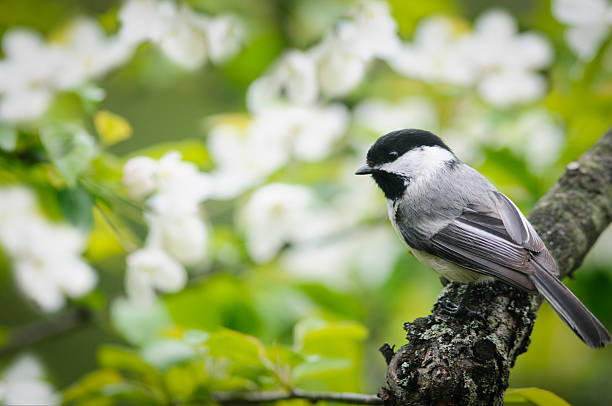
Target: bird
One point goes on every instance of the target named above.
(456, 222)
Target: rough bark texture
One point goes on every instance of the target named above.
(466, 360)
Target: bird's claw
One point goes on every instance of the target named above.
(450, 308)
(453, 309)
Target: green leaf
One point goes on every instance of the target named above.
(111, 127)
(8, 138)
(283, 356)
(195, 337)
(138, 324)
(131, 394)
(77, 207)
(315, 336)
(90, 384)
(163, 354)
(70, 148)
(237, 347)
(316, 366)
(226, 299)
(115, 357)
(182, 380)
(339, 302)
(90, 95)
(532, 397)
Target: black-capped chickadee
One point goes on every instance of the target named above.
(456, 222)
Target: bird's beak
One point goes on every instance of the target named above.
(364, 170)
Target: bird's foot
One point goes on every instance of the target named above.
(460, 310)
(449, 308)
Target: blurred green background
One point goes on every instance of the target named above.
(169, 107)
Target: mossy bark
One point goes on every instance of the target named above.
(466, 360)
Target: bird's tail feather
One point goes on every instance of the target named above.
(569, 308)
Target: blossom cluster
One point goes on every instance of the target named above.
(324, 240)
(46, 256)
(291, 116)
(588, 21)
(184, 36)
(34, 70)
(177, 234)
(23, 383)
(494, 57)
(245, 153)
(333, 67)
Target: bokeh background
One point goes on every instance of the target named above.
(180, 175)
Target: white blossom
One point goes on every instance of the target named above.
(183, 236)
(437, 54)
(382, 116)
(501, 62)
(294, 76)
(341, 62)
(184, 40)
(508, 88)
(151, 269)
(274, 215)
(242, 161)
(175, 189)
(143, 20)
(33, 70)
(173, 183)
(535, 136)
(46, 256)
(23, 383)
(335, 66)
(507, 61)
(329, 247)
(184, 36)
(376, 30)
(180, 181)
(226, 35)
(338, 262)
(28, 75)
(306, 133)
(88, 53)
(246, 154)
(589, 23)
(139, 176)
(346, 51)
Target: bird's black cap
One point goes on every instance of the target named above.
(393, 145)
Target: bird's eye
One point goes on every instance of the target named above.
(393, 154)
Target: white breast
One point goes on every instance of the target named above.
(449, 270)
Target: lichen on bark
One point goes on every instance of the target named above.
(466, 360)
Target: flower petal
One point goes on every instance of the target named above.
(38, 285)
(586, 40)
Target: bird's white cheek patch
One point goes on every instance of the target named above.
(433, 158)
(419, 162)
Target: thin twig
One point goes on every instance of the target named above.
(44, 330)
(249, 398)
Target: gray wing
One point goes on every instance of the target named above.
(495, 240)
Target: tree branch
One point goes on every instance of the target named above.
(249, 398)
(465, 360)
(47, 329)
